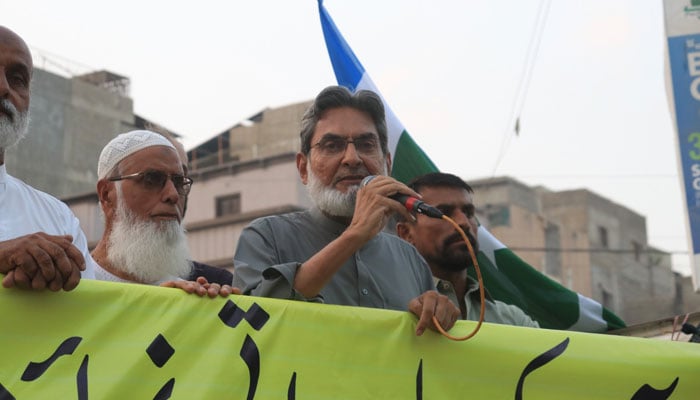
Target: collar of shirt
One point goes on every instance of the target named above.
(446, 288)
(326, 223)
(3, 178)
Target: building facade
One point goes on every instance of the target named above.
(588, 244)
(71, 119)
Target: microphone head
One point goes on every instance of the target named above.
(366, 180)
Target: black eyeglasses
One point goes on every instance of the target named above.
(333, 145)
(156, 180)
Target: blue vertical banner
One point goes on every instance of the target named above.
(682, 19)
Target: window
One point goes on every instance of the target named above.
(228, 205)
(497, 215)
(637, 250)
(603, 236)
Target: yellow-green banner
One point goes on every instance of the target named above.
(113, 341)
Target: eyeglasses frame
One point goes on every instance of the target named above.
(186, 179)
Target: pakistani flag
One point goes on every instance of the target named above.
(408, 159)
(507, 277)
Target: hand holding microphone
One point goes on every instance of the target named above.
(412, 204)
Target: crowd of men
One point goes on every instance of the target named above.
(337, 252)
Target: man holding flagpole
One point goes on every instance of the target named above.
(336, 252)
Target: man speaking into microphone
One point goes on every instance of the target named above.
(336, 252)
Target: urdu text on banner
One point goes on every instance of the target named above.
(113, 340)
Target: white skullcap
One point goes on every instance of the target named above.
(125, 145)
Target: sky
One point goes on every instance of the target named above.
(585, 79)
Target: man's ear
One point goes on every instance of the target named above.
(302, 164)
(106, 196)
(388, 164)
(404, 231)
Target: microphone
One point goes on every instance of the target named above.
(412, 204)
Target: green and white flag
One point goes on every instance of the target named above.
(507, 277)
(408, 159)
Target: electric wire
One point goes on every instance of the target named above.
(524, 82)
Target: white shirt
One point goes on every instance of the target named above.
(25, 210)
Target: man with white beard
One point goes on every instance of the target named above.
(41, 244)
(212, 274)
(336, 252)
(141, 189)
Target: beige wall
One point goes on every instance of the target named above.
(638, 287)
(215, 245)
(529, 235)
(265, 188)
(261, 185)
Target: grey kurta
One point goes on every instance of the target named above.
(387, 272)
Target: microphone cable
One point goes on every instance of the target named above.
(482, 296)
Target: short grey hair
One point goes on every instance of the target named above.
(339, 96)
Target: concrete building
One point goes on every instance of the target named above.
(268, 133)
(71, 120)
(588, 244)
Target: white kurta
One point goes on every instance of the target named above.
(25, 210)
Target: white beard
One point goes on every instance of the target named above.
(12, 130)
(149, 251)
(331, 200)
